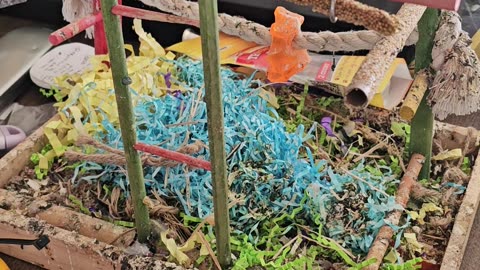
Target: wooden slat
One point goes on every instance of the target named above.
(64, 251)
(463, 223)
(67, 250)
(15, 161)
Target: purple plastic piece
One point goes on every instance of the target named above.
(167, 79)
(327, 125)
(10, 136)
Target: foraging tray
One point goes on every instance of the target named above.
(81, 242)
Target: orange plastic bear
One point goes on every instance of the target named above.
(283, 59)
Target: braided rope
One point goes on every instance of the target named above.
(255, 32)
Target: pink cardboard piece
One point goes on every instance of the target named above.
(439, 4)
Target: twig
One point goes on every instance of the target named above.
(184, 124)
(285, 246)
(210, 251)
(382, 241)
(370, 151)
(364, 181)
(434, 237)
(114, 241)
(332, 241)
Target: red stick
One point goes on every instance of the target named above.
(172, 155)
(99, 37)
(138, 13)
(73, 29)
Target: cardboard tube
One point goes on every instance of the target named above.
(372, 71)
(414, 96)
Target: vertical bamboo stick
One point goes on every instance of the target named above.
(213, 97)
(125, 112)
(421, 136)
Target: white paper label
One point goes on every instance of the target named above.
(66, 59)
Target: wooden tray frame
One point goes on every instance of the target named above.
(66, 250)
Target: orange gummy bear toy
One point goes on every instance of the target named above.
(283, 60)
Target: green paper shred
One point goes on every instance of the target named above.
(79, 203)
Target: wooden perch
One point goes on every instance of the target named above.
(384, 236)
(74, 28)
(356, 13)
(379, 60)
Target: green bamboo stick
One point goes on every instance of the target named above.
(121, 81)
(213, 98)
(421, 136)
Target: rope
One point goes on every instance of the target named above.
(74, 10)
(257, 33)
(116, 157)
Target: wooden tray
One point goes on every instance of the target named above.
(72, 250)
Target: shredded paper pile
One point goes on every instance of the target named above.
(271, 172)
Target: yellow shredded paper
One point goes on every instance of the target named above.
(90, 96)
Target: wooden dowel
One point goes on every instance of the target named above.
(71, 30)
(121, 83)
(99, 37)
(213, 97)
(138, 13)
(172, 155)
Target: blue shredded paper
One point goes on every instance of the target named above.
(268, 169)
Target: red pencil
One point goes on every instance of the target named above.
(73, 29)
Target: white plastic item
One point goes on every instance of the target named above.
(189, 34)
(19, 50)
(70, 58)
(10, 136)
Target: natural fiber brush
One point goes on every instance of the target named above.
(456, 86)
(356, 13)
